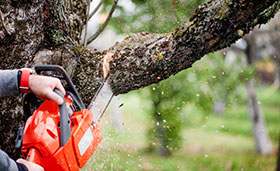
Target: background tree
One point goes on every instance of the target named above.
(262, 44)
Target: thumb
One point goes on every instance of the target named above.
(55, 97)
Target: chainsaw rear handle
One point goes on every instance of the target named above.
(33, 155)
(57, 68)
(65, 132)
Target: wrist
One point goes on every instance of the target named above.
(23, 79)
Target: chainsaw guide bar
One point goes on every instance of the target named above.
(101, 100)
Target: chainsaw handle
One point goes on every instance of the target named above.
(33, 156)
(65, 132)
(61, 70)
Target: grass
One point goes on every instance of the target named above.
(210, 142)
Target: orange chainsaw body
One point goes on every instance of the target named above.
(41, 142)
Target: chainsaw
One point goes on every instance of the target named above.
(62, 137)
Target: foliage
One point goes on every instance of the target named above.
(160, 16)
(209, 80)
(165, 134)
(214, 144)
(215, 78)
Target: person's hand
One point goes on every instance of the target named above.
(43, 86)
(30, 166)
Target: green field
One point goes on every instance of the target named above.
(210, 142)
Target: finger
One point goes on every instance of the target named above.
(60, 87)
(54, 97)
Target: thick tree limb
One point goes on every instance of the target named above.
(143, 59)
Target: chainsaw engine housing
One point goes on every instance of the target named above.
(41, 142)
(59, 137)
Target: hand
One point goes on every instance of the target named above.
(43, 86)
(30, 166)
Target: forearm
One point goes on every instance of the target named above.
(6, 163)
(9, 83)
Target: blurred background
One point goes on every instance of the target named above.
(221, 114)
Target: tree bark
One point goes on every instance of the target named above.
(48, 31)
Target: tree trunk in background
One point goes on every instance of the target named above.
(262, 141)
(48, 32)
(219, 107)
(276, 82)
(272, 29)
(160, 133)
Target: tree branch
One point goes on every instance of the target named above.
(93, 37)
(95, 9)
(86, 27)
(143, 59)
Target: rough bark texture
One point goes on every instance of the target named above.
(48, 31)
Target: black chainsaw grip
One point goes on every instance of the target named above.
(65, 132)
(57, 68)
